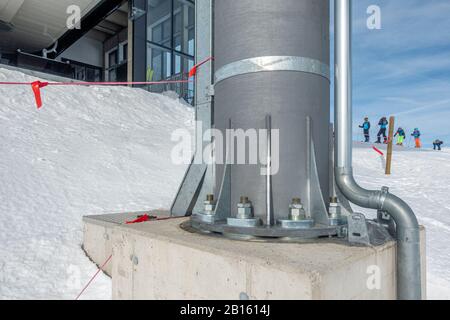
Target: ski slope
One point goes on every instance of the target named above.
(105, 149)
(88, 150)
(422, 179)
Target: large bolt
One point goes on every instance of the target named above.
(244, 209)
(296, 210)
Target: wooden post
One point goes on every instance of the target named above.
(390, 145)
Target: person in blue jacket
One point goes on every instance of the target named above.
(366, 128)
(383, 127)
(416, 134)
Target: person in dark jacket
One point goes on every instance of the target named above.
(383, 127)
(401, 136)
(366, 129)
(437, 144)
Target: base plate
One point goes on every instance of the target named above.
(222, 227)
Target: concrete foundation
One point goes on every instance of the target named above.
(160, 260)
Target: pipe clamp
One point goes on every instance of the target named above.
(273, 63)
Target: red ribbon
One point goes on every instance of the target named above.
(193, 71)
(140, 219)
(36, 86)
(378, 151)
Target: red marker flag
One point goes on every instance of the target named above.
(378, 151)
(193, 71)
(140, 219)
(36, 86)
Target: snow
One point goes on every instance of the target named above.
(103, 149)
(422, 179)
(89, 150)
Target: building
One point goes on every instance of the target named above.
(113, 40)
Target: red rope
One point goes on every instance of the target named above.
(92, 279)
(191, 73)
(37, 85)
(98, 83)
(378, 151)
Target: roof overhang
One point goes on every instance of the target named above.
(36, 24)
(33, 25)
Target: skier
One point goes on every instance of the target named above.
(383, 127)
(416, 134)
(366, 127)
(437, 144)
(401, 136)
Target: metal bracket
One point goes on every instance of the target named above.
(223, 207)
(188, 191)
(357, 229)
(315, 204)
(210, 92)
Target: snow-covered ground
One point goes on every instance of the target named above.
(88, 150)
(422, 179)
(103, 149)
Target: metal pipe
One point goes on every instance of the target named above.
(408, 233)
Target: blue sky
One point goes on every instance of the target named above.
(404, 68)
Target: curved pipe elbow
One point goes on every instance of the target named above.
(402, 214)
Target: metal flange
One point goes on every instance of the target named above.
(222, 227)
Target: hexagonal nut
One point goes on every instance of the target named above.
(210, 207)
(244, 213)
(244, 205)
(335, 210)
(297, 214)
(296, 206)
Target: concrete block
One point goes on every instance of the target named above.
(97, 244)
(159, 260)
(97, 231)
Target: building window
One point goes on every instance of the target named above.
(125, 52)
(160, 63)
(170, 44)
(159, 22)
(184, 26)
(84, 72)
(117, 63)
(113, 58)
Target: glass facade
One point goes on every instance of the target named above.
(170, 44)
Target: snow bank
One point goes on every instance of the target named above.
(89, 150)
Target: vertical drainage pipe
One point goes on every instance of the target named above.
(408, 232)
